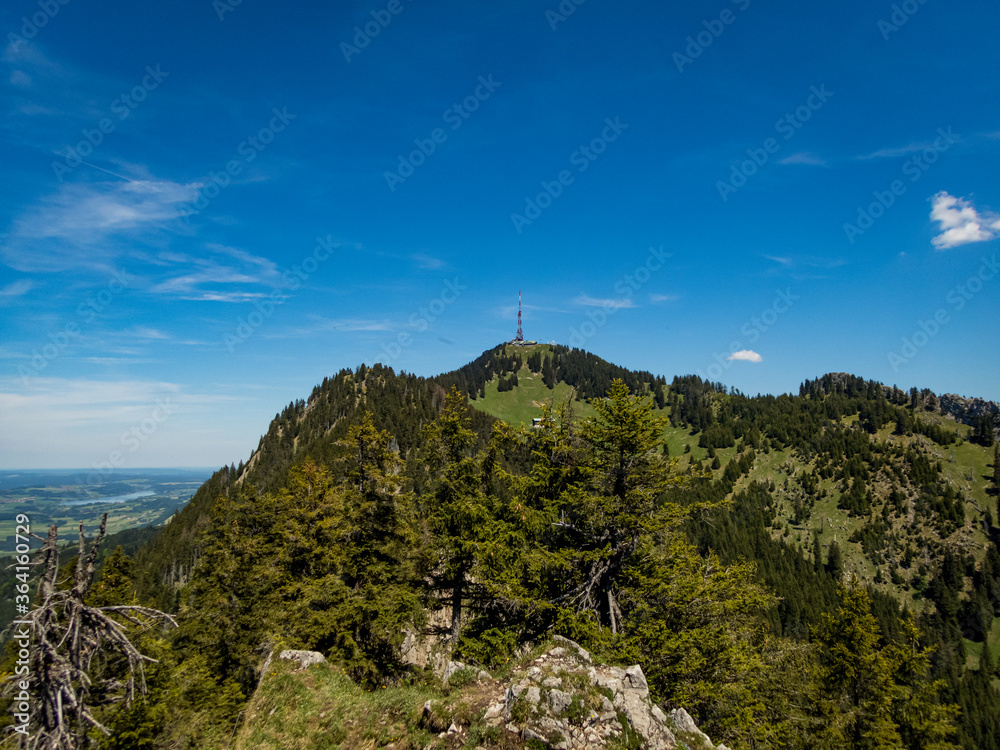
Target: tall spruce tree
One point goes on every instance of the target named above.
(857, 677)
(606, 524)
(457, 505)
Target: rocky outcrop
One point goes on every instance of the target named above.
(304, 658)
(564, 701)
(429, 646)
(966, 410)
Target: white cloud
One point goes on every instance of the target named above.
(20, 79)
(427, 262)
(608, 302)
(319, 325)
(79, 224)
(746, 355)
(960, 222)
(210, 280)
(81, 422)
(891, 153)
(16, 289)
(804, 158)
(145, 333)
(657, 299)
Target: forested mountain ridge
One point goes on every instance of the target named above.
(384, 496)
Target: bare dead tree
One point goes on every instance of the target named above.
(68, 634)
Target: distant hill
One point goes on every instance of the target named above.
(848, 477)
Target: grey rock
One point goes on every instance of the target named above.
(580, 650)
(530, 734)
(304, 658)
(559, 701)
(533, 694)
(683, 721)
(636, 680)
(483, 676)
(513, 693)
(548, 724)
(453, 666)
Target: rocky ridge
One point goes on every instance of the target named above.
(965, 410)
(563, 700)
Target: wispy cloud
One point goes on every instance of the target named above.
(427, 262)
(659, 299)
(211, 279)
(960, 222)
(745, 355)
(144, 333)
(82, 225)
(607, 302)
(804, 158)
(20, 79)
(321, 325)
(83, 420)
(795, 266)
(15, 289)
(897, 151)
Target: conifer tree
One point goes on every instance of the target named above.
(857, 676)
(835, 561)
(607, 523)
(458, 512)
(924, 723)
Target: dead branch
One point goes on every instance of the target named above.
(68, 635)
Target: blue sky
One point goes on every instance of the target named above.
(208, 207)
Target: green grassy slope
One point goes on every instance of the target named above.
(966, 466)
(520, 405)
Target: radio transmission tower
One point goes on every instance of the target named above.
(520, 333)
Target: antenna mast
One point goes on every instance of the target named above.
(520, 333)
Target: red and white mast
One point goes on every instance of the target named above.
(520, 333)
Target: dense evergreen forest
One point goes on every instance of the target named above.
(814, 570)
